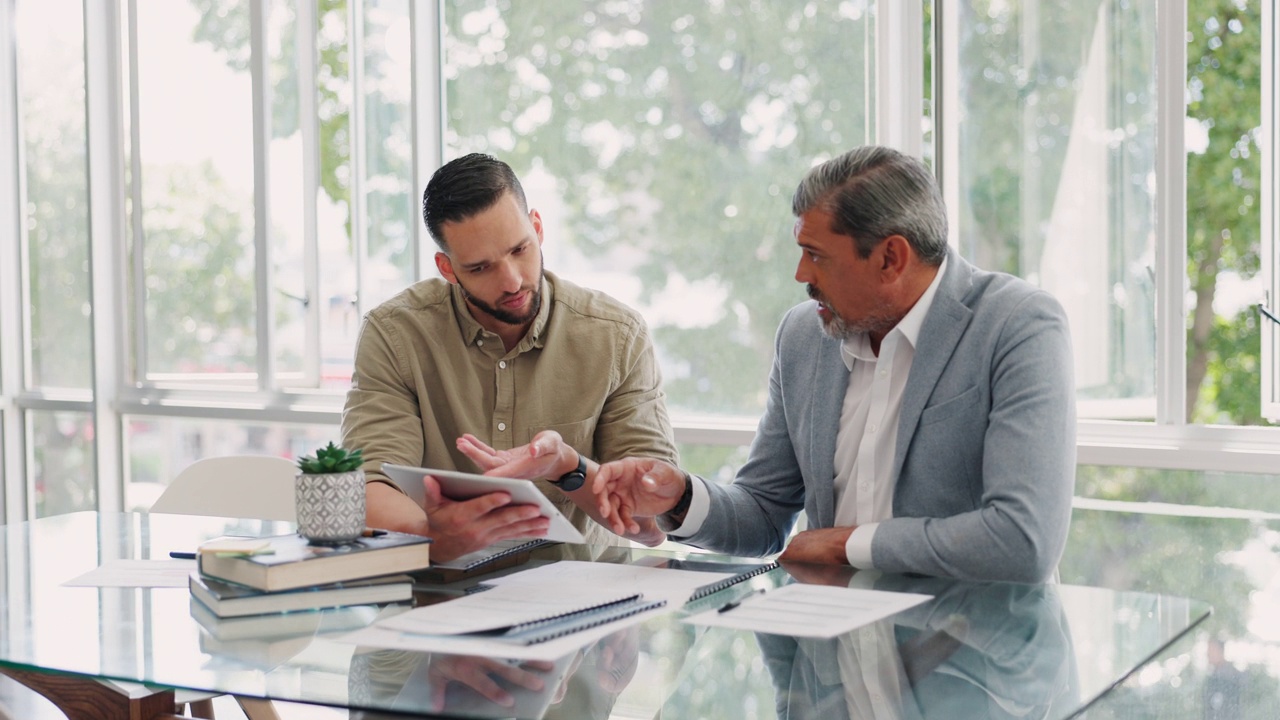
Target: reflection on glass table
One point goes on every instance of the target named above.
(992, 649)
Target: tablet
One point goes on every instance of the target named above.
(464, 486)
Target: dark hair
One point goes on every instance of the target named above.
(465, 187)
(873, 192)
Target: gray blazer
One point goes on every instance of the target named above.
(984, 467)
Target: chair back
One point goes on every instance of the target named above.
(244, 486)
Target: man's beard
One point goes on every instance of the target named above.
(504, 316)
(879, 320)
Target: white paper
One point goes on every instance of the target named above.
(550, 651)
(812, 611)
(573, 576)
(500, 607)
(137, 573)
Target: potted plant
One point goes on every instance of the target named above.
(329, 492)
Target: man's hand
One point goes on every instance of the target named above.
(825, 545)
(548, 456)
(632, 489)
(619, 657)
(462, 526)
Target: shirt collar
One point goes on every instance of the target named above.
(858, 347)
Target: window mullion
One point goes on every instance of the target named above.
(258, 68)
(309, 127)
(899, 101)
(104, 105)
(359, 235)
(1171, 214)
(12, 472)
(428, 108)
(1270, 235)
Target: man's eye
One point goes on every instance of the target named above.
(519, 250)
(479, 269)
(813, 257)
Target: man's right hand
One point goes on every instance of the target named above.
(456, 526)
(636, 488)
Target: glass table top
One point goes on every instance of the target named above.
(974, 650)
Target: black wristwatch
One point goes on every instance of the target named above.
(573, 479)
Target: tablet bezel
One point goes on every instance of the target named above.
(457, 485)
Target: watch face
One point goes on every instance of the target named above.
(571, 481)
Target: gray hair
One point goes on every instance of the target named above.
(874, 192)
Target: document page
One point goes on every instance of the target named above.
(575, 576)
(503, 606)
(813, 611)
(136, 573)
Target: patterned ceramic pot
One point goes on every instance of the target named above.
(330, 507)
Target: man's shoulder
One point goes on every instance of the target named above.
(999, 292)
(424, 296)
(592, 304)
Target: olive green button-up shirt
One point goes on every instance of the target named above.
(426, 372)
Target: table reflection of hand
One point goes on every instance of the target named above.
(479, 674)
(818, 573)
(619, 656)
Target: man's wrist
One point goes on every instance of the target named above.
(674, 518)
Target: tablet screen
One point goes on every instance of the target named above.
(464, 486)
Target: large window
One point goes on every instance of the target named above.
(266, 160)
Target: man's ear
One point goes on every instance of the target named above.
(895, 257)
(445, 266)
(536, 219)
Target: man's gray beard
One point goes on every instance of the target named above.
(840, 329)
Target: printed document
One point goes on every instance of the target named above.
(812, 611)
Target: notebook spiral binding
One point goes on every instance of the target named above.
(716, 587)
(532, 544)
(576, 612)
(594, 619)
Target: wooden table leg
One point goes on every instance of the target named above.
(84, 699)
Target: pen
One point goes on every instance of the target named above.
(735, 603)
(182, 555)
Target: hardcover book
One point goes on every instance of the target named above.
(289, 561)
(231, 600)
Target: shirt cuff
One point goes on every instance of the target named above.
(699, 507)
(857, 549)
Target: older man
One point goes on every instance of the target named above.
(921, 411)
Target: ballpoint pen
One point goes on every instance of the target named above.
(177, 555)
(735, 603)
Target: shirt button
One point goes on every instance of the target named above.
(502, 364)
(883, 373)
(871, 428)
(479, 343)
(502, 426)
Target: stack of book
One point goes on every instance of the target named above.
(246, 587)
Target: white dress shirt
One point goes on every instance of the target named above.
(868, 434)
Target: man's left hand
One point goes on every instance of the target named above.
(825, 545)
(546, 457)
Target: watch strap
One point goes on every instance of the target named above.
(573, 479)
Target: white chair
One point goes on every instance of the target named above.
(244, 486)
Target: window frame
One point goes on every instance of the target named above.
(110, 31)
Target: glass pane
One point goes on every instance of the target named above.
(1050, 172)
(661, 143)
(288, 183)
(1214, 537)
(390, 200)
(50, 39)
(158, 448)
(195, 118)
(339, 319)
(1224, 225)
(63, 469)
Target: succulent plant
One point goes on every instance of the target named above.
(330, 459)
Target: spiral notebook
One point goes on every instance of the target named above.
(492, 554)
(523, 614)
(744, 572)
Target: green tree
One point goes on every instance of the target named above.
(1223, 207)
